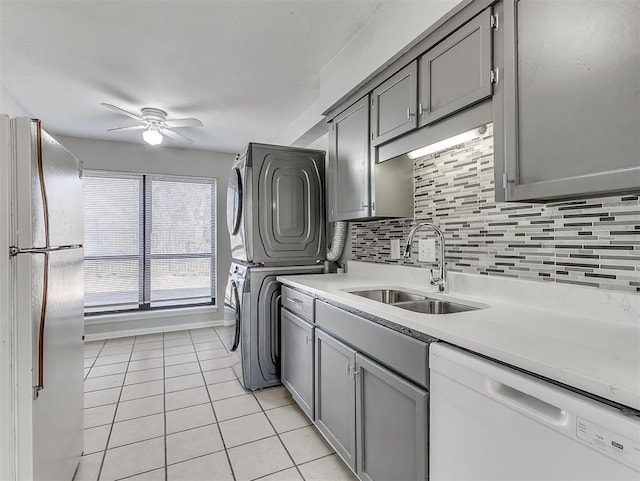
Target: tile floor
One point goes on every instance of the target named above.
(169, 407)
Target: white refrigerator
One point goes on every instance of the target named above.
(41, 396)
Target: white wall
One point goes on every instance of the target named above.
(10, 105)
(394, 26)
(130, 157)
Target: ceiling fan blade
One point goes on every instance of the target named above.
(175, 135)
(191, 122)
(122, 111)
(132, 127)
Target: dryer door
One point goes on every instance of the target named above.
(291, 213)
(236, 210)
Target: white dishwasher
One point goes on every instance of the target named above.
(491, 422)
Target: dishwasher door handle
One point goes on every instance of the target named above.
(526, 403)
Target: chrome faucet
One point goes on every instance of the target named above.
(441, 280)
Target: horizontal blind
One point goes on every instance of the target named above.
(181, 223)
(149, 241)
(113, 240)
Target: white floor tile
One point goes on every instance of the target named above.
(225, 390)
(207, 345)
(236, 407)
(143, 389)
(99, 416)
(137, 408)
(181, 369)
(155, 475)
(180, 359)
(191, 417)
(135, 430)
(183, 382)
(246, 429)
(172, 351)
(267, 456)
(148, 346)
(136, 377)
(89, 362)
(193, 443)
(186, 398)
(211, 364)
(89, 467)
(149, 338)
(219, 375)
(95, 439)
(102, 397)
(144, 364)
(212, 354)
(206, 468)
(290, 474)
(286, 418)
(107, 370)
(133, 459)
(329, 467)
(305, 444)
(88, 345)
(150, 354)
(177, 335)
(116, 350)
(104, 382)
(274, 397)
(177, 342)
(105, 359)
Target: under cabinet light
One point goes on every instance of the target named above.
(447, 143)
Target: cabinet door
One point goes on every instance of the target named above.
(457, 72)
(392, 435)
(567, 107)
(335, 395)
(393, 105)
(297, 359)
(349, 163)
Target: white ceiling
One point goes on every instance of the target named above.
(246, 68)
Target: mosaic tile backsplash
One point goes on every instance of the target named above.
(592, 242)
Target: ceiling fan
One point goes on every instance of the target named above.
(155, 124)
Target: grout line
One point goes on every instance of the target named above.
(224, 444)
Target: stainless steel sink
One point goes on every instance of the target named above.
(434, 306)
(414, 302)
(389, 296)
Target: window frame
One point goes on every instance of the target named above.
(144, 256)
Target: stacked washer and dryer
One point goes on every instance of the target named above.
(275, 217)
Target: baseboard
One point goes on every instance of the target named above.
(98, 332)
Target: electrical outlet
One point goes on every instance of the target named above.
(427, 250)
(395, 248)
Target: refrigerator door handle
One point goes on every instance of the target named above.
(14, 251)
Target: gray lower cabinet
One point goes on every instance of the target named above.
(335, 395)
(567, 107)
(391, 420)
(374, 419)
(349, 163)
(297, 359)
(394, 104)
(456, 73)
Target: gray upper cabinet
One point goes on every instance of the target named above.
(391, 414)
(394, 104)
(349, 163)
(335, 395)
(567, 107)
(457, 72)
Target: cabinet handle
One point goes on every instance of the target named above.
(408, 113)
(420, 109)
(308, 339)
(348, 369)
(295, 301)
(355, 372)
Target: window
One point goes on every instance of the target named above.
(149, 241)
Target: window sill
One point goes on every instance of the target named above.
(141, 315)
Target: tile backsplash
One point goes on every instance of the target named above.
(590, 242)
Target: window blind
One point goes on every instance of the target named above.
(149, 241)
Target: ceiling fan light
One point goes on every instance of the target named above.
(152, 137)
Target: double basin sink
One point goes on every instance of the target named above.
(414, 302)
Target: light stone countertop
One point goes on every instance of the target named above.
(582, 337)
